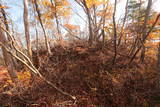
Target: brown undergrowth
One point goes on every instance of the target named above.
(87, 73)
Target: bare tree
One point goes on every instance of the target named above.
(145, 37)
(40, 20)
(83, 4)
(26, 26)
(95, 24)
(145, 33)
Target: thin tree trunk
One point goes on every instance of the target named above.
(40, 20)
(115, 33)
(158, 57)
(103, 39)
(145, 37)
(146, 18)
(26, 26)
(144, 32)
(89, 23)
(90, 29)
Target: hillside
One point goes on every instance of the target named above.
(79, 53)
(88, 74)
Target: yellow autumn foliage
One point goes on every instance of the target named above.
(24, 77)
(91, 3)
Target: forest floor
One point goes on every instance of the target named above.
(89, 75)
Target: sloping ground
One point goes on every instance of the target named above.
(87, 73)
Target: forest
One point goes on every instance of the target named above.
(79, 53)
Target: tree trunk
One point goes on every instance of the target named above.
(145, 32)
(145, 28)
(26, 26)
(115, 33)
(158, 59)
(5, 21)
(8, 59)
(40, 20)
(89, 23)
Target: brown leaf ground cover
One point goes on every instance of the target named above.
(87, 73)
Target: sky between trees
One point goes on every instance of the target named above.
(16, 11)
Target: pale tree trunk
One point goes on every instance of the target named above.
(8, 59)
(83, 4)
(36, 30)
(27, 34)
(26, 26)
(89, 23)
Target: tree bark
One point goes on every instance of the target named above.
(115, 33)
(89, 23)
(26, 26)
(5, 21)
(8, 59)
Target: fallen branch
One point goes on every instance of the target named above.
(30, 66)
